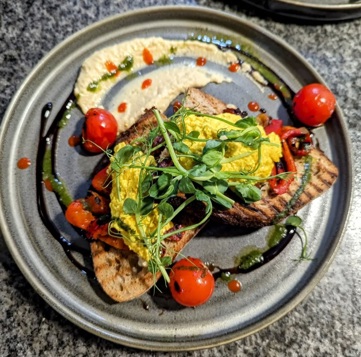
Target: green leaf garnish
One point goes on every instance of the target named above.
(248, 192)
(186, 185)
(130, 206)
(212, 158)
(166, 209)
(294, 221)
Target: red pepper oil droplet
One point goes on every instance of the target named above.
(272, 96)
(48, 185)
(111, 67)
(122, 107)
(23, 163)
(253, 106)
(74, 140)
(176, 106)
(234, 67)
(147, 57)
(235, 286)
(146, 83)
(201, 61)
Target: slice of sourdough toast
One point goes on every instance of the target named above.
(271, 208)
(118, 271)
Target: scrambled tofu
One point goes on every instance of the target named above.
(126, 182)
(208, 128)
(125, 185)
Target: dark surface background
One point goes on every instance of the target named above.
(327, 323)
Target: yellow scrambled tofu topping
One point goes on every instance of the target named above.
(125, 185)
(208, 129)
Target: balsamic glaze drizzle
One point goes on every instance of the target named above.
(46, 140)
(268, 255)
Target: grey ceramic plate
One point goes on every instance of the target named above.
(317, 10)
(269, 292)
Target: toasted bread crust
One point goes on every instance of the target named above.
(119, 273)
(203, 102)
(270, 209)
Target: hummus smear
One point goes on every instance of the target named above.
(166, 84)
(105, 68)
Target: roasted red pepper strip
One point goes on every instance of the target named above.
(281, 186)
(274, 182)
(289, 131)
(275, 126)
(288, 158)
(292, 135)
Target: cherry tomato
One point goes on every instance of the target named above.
(78, 216)
(191, 282)
(314, 104)
(102, 181)
(99, 131)
(97, 204)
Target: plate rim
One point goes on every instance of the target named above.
(312, 13)
(335, 7)
(79, 320)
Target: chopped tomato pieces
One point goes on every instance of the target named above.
(100, 232)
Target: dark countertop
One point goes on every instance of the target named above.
(327, 323)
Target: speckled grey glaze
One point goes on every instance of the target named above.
(326, 323)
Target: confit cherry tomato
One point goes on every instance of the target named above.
(78, 216)
(102, 181)
(314, 104)
(99, 130)
(191, 282)
(96, 203)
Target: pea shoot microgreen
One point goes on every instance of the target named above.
(204, 181)
(296, 221)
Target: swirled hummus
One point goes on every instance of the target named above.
(105, 68)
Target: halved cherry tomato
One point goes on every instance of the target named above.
(102, 181)
(78, 216)
(99, 131)
(314, 104)
(97, 204)
(191, 282)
